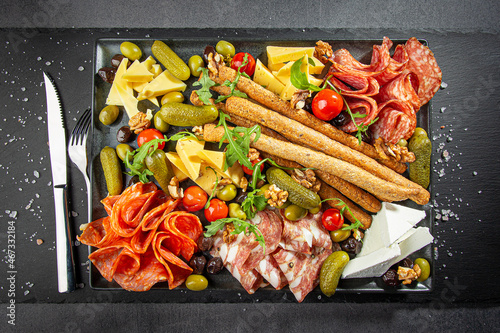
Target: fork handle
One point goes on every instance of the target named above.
(89, 198)
(65, 264)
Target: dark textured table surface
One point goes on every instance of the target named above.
(58, 37)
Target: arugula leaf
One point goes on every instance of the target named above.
(253, 203)
(299, 79)
(206, 83)
(239, 227)
(357, 224)
(215, 188)
(233, 84)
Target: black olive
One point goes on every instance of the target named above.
(241, 197)
(308, 106)
(116, 60)
(342, 119)
(406, 262)
(208, 49)
(367, 136)
(205, 243)
(107, 74)
(215, 265)
(124, 134)
(197, 263)
(351, 245)
(336, 247)
(390, 278)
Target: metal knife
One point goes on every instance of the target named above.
(57, 147)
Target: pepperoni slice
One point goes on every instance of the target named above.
(355, 85)
(187, 227)
(396, 66)
(403, 88)
(397, 120)
(362, 105)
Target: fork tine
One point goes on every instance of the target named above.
(81, 127)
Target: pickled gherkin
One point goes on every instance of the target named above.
(420, 169)
(180, 114)
(162, 171)
(170, 60)
(331, 270)
(112, 170)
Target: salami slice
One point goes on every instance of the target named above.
(355, 85)
(403, 88)
(362, 105)
(423, 63)
(107, 258)
(305, 234)
(187, 227)
(397, 120)
(396, 66)
(270, 270)
(109, 202)
(99, 234)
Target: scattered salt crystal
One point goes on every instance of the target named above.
(479, 191)
(444, 85)
(474, 173)
(12, 214)
(26, 292)
(443, 109)
(74, 214)
(25, 99)
(36, 174)
(23, 89)
(39, 58)
(48, 63)
(81, 68)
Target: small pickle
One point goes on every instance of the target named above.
(331, 271)
(340, 235)
(425, 268)
(227, 193)
(179, 114)
(170, 60)
(131, 51)
(162, 171)
(315, 210)
(109, 114)
(122, 149)
(196, 282)
(195, 64)
(160, 124)
(172, 97)
(420, 169)
(225, 48)
(294, 212)
(235, 211)
(112, 170)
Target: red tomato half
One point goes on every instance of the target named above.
(194, 198)
(150, 134)
(217, 210)
(249, 68)
(327, 104)
(332, 219)
(250, 171)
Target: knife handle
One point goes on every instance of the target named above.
(65, 263)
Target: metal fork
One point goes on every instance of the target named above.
(77, 150)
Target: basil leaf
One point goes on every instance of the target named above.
(299, 79)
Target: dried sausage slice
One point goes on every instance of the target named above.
(403, 88)
(397, 120)
(305, 234)
(270, 270)
(355, 85)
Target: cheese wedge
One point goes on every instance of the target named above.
(162, 84)
(284, 73)
(137, 72)
(156, 70)
(139, 86)
(129, 102)
(277, 54)
(265, 78)
(149, 62)
(216, 159)
(114, 96)
(207, 178)
(318, 66)
(276, 67)
(188, 149)
(178, 167)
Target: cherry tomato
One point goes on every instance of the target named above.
(249, 171)
(332, 219)
(327, 104)
(217, 210)
(249, 68)
(150, 134)
(194, 198)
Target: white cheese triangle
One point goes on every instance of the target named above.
(371, 265)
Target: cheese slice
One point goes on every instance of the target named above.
(207, 178)
(162, 84)
(276, 67)
(288, 92)
(318, 66)
(137, 72)
(408, 244)
(265, 78)
(188, 152)
(277, 54)
(114, 96)
(284, 73)
(139, 86)
(371, 265)
(315, 81)
(129, 102)
(156, 70)
(216, 159)
(149, 62)
(178, 167)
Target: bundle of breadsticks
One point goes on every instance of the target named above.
(349, 170)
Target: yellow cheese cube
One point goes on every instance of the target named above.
(318, 66)
(188, 152)
(315, 81)
(277, 54)
(149, 62)
(207, 178)
(216, 160)
(265, 78)
(162, 84)
(114, 96)
(137, 72)
(178, 167)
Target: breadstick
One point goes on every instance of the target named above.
(272, 101)
(382, 189)
(299, 133)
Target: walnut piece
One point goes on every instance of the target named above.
(408, 275)
(139, 123)
(323, 51)
(253, 154)
(214, 61)
(198, 131)
(223, 182)
(299, 97)
(276, 196)
(243, 184)
(386, 149)
(226, 235)
(175, 191)
(307, 179)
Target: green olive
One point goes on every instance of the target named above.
(402, 143)
(172, 97)
(160, 124)
(285, 205)
(315, 210)
(225, 48)
(340, 235)
(227, 193)
(196, 282)
(108, 115)
(235, 211)
(195, 64)
(131, 51)
(122, 149)
(294, 212)
(263, 189)
(419, 131)
(425, 268)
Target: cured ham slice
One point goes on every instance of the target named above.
(397, 120)
(423, 64)
(403, 88)
(301, 270)
(305, 234)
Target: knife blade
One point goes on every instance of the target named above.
(58, 160)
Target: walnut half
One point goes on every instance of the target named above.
(408, 275)
(276, 196)
(307, 179)
(139, 122)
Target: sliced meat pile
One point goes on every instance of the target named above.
(391, 89)
(141, 239)
(294, 253)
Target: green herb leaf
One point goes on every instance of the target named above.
(253, 203)
(299, 79)
(233, 84)
(239, 227)
(206, 83)
(357, 224)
